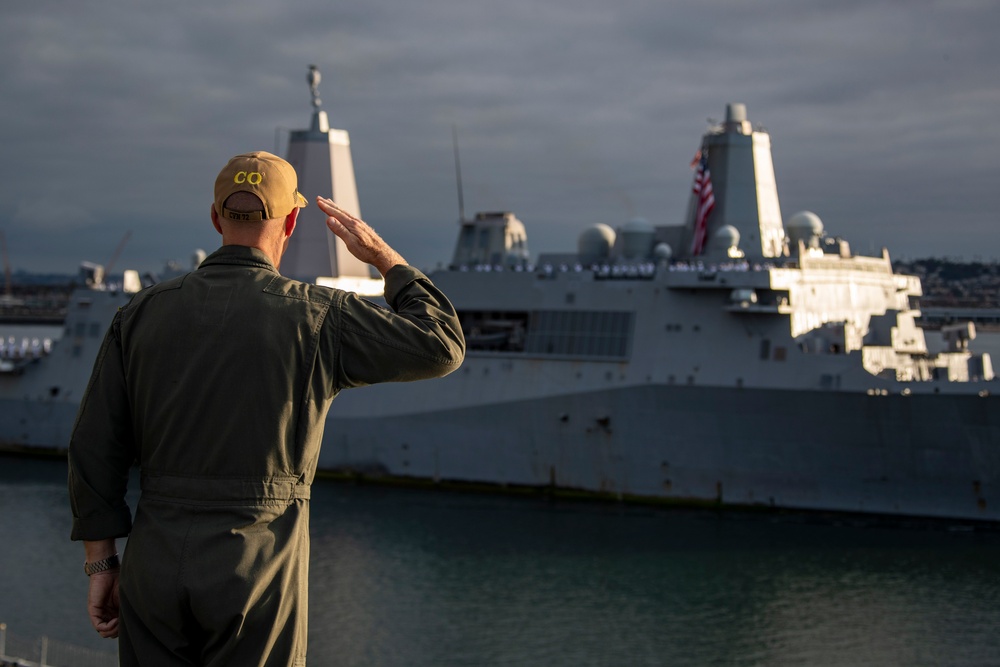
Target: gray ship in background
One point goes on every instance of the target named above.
(732, 360)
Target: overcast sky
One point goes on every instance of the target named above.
(117, 115)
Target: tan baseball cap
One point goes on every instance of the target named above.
(268, 176)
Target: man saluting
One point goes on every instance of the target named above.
(218, 383)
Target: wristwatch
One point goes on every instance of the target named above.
(109, 563)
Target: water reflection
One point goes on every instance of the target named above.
(410, 578)
(413, 578)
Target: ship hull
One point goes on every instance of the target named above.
(892, 455)
(889, 455)
(34, 425)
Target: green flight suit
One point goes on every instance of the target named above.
(218, 383)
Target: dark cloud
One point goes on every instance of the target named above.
(117, 115)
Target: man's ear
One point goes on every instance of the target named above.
(290, 221)
(215, 220)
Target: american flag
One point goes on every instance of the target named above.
(706, 202)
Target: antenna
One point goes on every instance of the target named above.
(6, 266)
(458, 174)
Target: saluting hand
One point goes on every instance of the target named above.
(361, 240)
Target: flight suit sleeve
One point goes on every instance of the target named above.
(102, 448)
(420, 338)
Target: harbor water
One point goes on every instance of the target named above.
(408, 577)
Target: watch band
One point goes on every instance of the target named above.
(103, 565)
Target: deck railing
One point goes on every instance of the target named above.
(18, 651)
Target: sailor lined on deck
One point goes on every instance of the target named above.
(218, 383)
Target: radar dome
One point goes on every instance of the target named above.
(804, 226)
(728, 236)
(663, 252)
(596, 242)
(637, 238)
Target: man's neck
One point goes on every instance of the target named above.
(273, 251)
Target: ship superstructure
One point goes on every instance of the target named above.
(769, 366)
(729, 359)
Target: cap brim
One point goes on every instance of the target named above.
(300, 201)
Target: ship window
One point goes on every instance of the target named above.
(491, 331)
(571, 333)
(579, 333)
(779, 353)
(765, 349)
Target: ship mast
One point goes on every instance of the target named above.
(458, 175)
(745, 195)
(322, 159)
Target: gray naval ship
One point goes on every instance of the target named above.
(730, 360)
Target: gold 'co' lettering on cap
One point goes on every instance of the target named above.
(251, 177)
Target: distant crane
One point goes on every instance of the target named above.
(118, 251)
